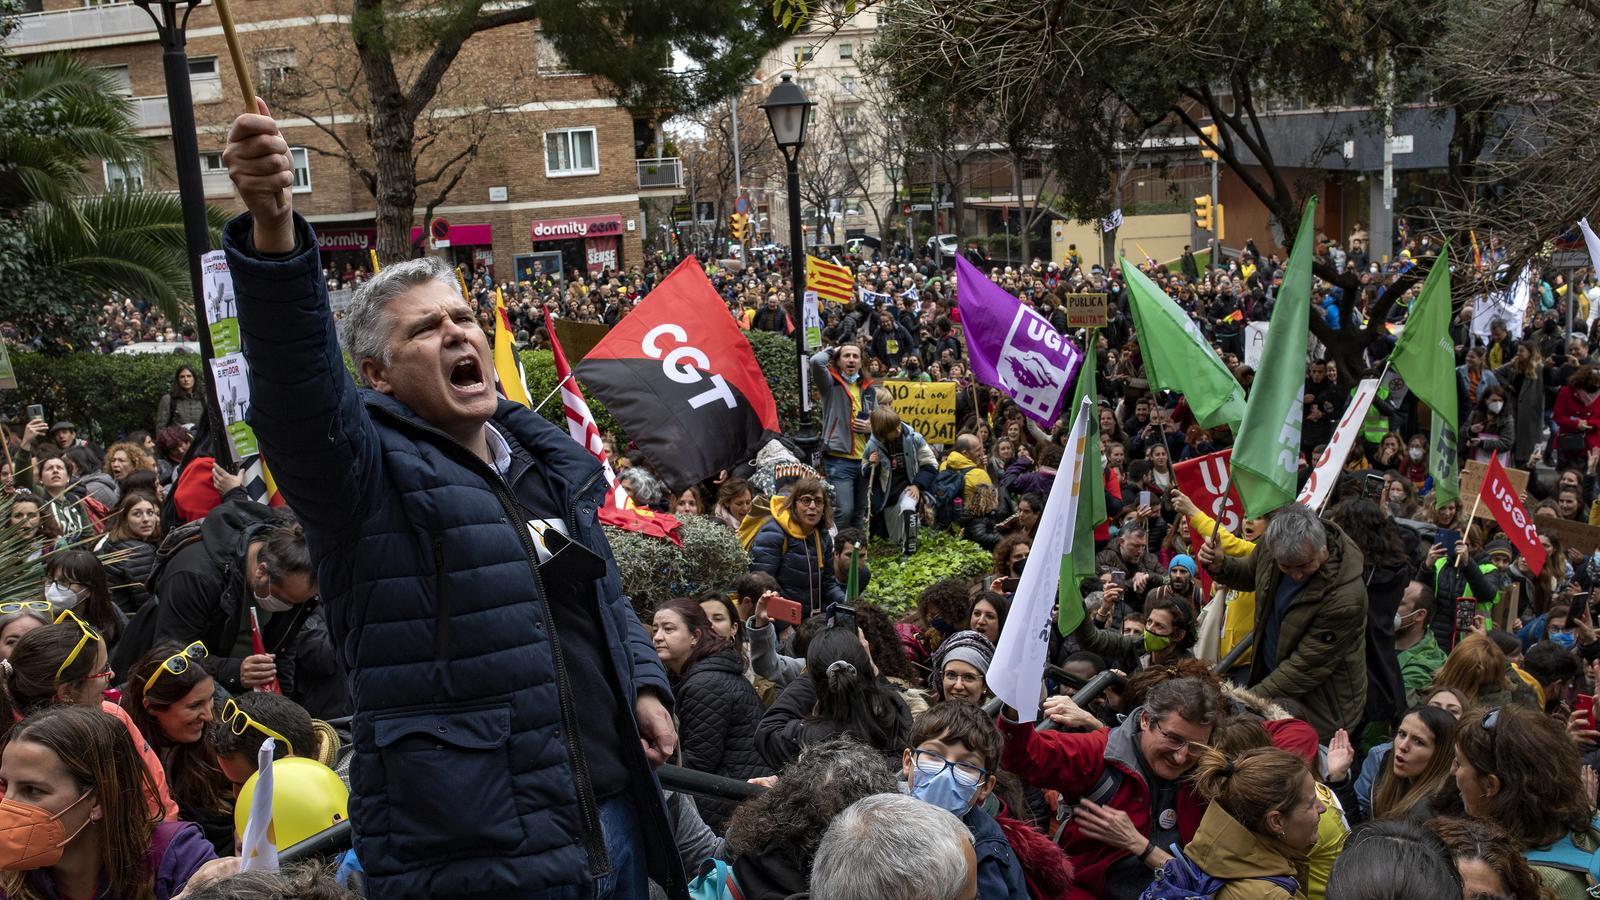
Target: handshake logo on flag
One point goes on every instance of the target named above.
(1034, 364)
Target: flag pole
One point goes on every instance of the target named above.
(552, 392)
(1462, 558)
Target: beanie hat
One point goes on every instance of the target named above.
(969, 647)
(1499, 545)
(1184, 560)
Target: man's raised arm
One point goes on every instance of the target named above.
(308, 418)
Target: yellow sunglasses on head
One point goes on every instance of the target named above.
(177, 663)
(238, 720)
(89, 634)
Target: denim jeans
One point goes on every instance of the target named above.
(850, 497)
(629, 878)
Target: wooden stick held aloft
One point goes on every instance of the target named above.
(241, 69)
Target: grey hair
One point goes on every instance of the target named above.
(303, 881)
(1191, 698)
(865, 853)
(647, 488)
(827, 777)
(367, 323)
(1295, 535)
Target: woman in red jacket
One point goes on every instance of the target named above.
(1129, 784)
(1578, 412)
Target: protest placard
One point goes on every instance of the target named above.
(927, 406)
(1472, 473)
(1085, 310)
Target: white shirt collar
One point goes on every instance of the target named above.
(498, 448)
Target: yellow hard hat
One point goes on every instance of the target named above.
(307, 797)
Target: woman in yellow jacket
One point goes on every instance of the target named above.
(1239, 607)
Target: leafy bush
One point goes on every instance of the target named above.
(655, 570)
(940, 554)
(106, 396)
(775, 354)
(539, 367)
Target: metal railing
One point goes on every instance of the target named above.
(662, 172)
(151, 112)
(82, 23)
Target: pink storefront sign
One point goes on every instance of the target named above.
(576, 228)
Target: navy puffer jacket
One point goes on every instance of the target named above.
(717, 715)
(467, 778)
(803, 564)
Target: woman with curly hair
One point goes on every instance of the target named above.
(1516, 767)
(1009, 554)
(943, 608)
(125, 458)
(1489, 865)
(773, 837)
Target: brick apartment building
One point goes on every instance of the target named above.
(561, 171)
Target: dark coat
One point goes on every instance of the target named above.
(129, 572)
(467, 779)
(802, 564)
(787, 727)
(717, 715)
(203, 595)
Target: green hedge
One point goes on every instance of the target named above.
(106, 396)
(897, 582)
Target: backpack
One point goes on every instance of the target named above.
(715, 882)
(1568, 857)
(948, 486)
(176, 539)
(1181, 879)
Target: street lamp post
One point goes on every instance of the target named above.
(788, 112)
(172, 22)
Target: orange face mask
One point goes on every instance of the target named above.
(32, 838)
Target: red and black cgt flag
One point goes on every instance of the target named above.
(680, 377)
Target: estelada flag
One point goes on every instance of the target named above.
(682, 380)
(830, 280)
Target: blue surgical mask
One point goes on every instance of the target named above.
(941, 787)
(1564, 638)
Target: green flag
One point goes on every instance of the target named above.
(1425, 356)
(1443, 464)
(1266, 452)
(1091, 507)
(1177, 357)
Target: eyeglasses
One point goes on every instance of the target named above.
(1175, 742)
(808, 500)
(932, 765)
(16, 606)
(89, 634)
(238, 720)
(177, 663)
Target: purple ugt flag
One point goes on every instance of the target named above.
(1014, 348)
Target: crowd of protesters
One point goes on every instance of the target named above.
(1380, 699)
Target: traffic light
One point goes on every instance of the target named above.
(1209, 133)
(736, 225)
(1202, 212)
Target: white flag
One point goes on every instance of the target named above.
(1018, 667)
(258, 851)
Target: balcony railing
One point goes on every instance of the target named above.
(84, 23)
(216, 184)
(151, 112)
(205, 88)
(664, 172)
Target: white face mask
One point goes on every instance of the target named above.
(272, 604)
(60, 596)
(1416, 453)
(1495, 406)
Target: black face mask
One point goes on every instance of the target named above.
(1016, 567)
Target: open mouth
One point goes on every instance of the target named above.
(467, 374)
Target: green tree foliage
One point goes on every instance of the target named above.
(65, 250)
(106, 396)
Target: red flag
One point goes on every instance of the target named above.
(1205, 481)
(619, 509)
(1498, 492)
(682, 379)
